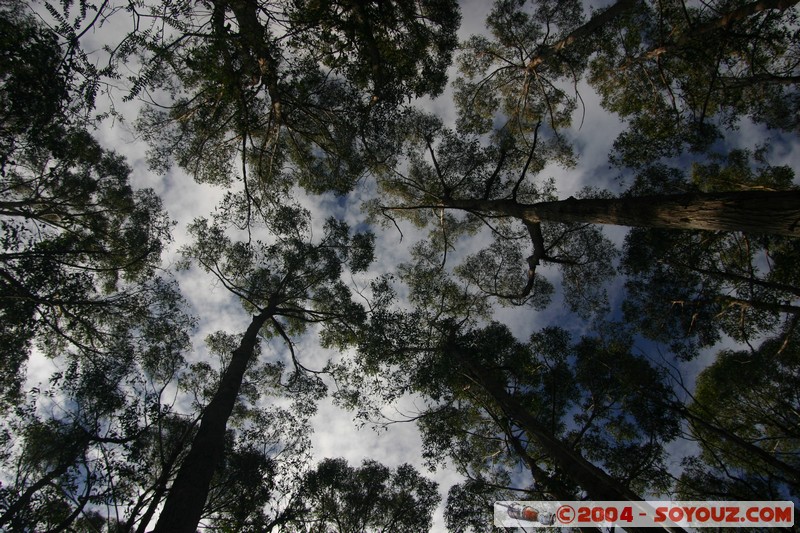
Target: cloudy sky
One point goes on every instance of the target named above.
(335, 434)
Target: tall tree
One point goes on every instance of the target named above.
(82, 437)
(495, 186)
(682, 75)
(286, 285)
(76, 236)
(537, 50)
(744, 418)
(290, 88)
(687, 288)
(513, 110)
(493, 402)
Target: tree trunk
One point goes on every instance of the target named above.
(766, 212)
(750, 449)
(596, 482)
(721, 22)
(159, 489)
(187, 496)
(26, 496)
(541, 478)
(581, 32)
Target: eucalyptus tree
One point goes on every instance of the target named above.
(493, 404)
(495, 185)
(287, 88)
(335, 496)
(78, 241)
(287, 283)
(744, 419)
(80, 444)
(257, 484)
(687, 288)
(105, 439)
(576, 416)
(679, 75)
(682, 75)
(523, 72)
(513, 110)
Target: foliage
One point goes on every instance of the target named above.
(372, 497)
(291, 87)
(593, 397)
(506, 75)
(682, 75)
(295, 278)
(76, 236)
(275, 100)
(687, 288)
(751, 395)
(455, 183)
(100, 431)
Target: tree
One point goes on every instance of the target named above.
(743, 417)
(306, 95)
(683, 75)
(686, 288)
(290, 88)
(492, 186)
(292, 279)
(512, 111)
(606, 428)
(395, 49)
(82, 438)
(679, 75)
(337, 497)
(241, 53)
(76, 237)
(536, 50)
(510, 116)
(493, 403)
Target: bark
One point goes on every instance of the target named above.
(720, 22)
(765, 212)
(596, 482)
(26, 496)
(187, 496)
(748, 448)
(582, 32)
(254, 38)
(539, 476)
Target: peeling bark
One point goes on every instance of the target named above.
(765, 212)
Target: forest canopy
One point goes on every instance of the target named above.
(553, 258)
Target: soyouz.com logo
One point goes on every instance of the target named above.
(644, 514)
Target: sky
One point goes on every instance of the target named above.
(335, 433)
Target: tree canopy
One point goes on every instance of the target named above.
(555, 325)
